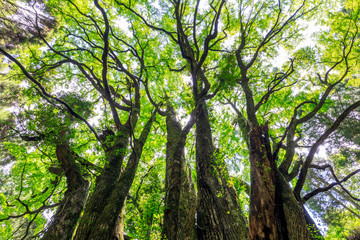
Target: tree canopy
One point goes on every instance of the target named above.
(180, 119)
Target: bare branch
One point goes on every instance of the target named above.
(324, 189)
(105, 65)
(323, 137)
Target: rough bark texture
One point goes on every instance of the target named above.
(274, 210)
(218, 211)
(262, 218)
(118, 231)
(109, 217)
(296, 226)
(65, 219)
(180, 199)
(104, 186)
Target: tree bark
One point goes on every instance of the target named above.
(180, 198)
(295, 219)
(118, 231)
(109, 217)
(105, 184)
(218, 211)
(262, 224)
(274, 210)
(65, 219)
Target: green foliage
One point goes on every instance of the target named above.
(286, 75)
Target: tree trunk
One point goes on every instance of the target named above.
(295, 220)
(218, 211)
(180, 198)
(109, 217)
(274, 210)
(262, 220)
(105, 184)
(65, 219)
(118, 231)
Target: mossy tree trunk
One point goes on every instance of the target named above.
(180, 199)
(118, 230)
(109, 218)
(218, 212)
(104, 186)
(274, 210)
(65, 219)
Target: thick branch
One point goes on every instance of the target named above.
(323, 137)
(324, 189)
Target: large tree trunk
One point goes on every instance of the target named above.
(262, 224)
(65, 219)
(180, 198)
(295, 220)
(218, 212)
(274, 210)
(118, 231)
(104, 186)
(109, 217)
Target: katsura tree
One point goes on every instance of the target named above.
(279, 101)
(89, 56)
(97, 81)
(283, 92)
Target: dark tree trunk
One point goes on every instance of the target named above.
(274, 210)
(218, 211)
(118, 231)
(104, 186)
(296, 225)
(180, 198)
(262, 220)
(65, 219)
(109, 217)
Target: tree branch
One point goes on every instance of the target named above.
(31, 78)
(323, 137)
(324, 189)
(105, 66)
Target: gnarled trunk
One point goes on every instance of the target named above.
(180, 199)
(104, 225)
(65, 219)
(274, 210)
(218, 212)
(104, 186)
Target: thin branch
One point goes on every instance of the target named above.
(31, 78)
(31, 212)
(170, 34)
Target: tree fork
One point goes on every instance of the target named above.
(64, 221)
(180, 199)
